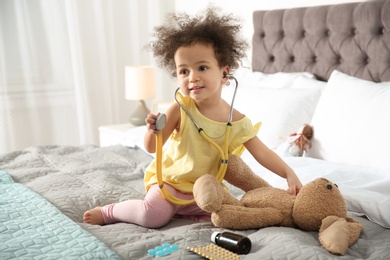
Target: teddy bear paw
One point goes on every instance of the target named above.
(208, 193)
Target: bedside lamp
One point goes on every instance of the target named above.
(140, 85)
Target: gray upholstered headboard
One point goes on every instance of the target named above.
(353, 38)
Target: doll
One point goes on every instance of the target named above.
(297, 143)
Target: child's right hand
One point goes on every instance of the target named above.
(150, 121)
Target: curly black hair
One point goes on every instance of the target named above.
(222, 32)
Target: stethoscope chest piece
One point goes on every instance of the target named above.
(161, 121)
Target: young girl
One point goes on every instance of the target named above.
(201, 52)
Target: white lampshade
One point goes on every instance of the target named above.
(140, 85)
(140, 82)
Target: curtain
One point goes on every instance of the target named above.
(62, 66)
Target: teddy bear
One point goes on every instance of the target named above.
(319, 206)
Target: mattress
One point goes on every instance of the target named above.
(69, 180)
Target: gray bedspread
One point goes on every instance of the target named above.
(75, 179)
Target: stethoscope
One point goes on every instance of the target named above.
(160, 124)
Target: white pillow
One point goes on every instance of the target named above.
(281, 110)
(305, 82)
(352, 122)
(247, 78)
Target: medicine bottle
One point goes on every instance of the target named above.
(233, 242)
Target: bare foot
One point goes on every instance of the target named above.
(94, 216)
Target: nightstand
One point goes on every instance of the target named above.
(113, 134)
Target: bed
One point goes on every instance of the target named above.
(327, 65)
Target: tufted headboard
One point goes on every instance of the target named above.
(353, 38)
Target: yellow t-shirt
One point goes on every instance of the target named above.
(189, 156)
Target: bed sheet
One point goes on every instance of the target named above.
(75, 179)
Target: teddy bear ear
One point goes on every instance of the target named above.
(317, 200)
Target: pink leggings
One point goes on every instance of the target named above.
(154, 211)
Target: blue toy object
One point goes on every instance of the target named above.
(163, 250)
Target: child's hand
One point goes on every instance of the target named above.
(150, 121)
(294, 184)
